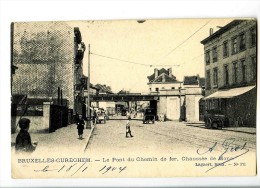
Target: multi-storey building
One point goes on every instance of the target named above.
(230, 71)
(47, 57)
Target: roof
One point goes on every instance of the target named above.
(162, 71)
(165, 79)
(190, 80)
(123, 92)
(103, 88)
(229, 93)
(222, 30)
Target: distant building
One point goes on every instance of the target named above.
(176, 100)
(191, 81)
(163, 80)
(103, 89)
(230, 70)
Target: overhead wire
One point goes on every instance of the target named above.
(156, 65)
(184, 41)
(118, 59)
(159, 65)
(132, 62)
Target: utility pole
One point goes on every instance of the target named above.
(88, 126)
(180, 118)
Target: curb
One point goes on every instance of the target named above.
(224, 129)
(90, 135)
(239, 131)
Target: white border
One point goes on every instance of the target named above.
(100, 10)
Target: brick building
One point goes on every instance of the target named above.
(47, 55)
(48, 63)
(230, 70)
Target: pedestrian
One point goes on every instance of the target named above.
(128, 128)
(80, 127)
(94, 117)
(23, 139)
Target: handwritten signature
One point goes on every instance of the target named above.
(76, 168)
(227, 147)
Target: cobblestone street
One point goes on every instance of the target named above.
(169, 137)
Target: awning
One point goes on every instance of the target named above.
(229, 93)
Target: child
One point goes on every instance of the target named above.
(128, 130)
(23, 140)
(80, 127)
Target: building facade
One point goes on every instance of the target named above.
(48, 56)
(176, 100)
(194, 91)
(230, 71)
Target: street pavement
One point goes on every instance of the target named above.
(168, 137)
(64, 139)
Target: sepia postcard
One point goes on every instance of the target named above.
(133, 98)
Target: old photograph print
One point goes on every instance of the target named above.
(133, 98)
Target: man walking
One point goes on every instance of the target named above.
(94, 117)
(128, 129)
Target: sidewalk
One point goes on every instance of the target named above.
(65, 138)
(248, 130)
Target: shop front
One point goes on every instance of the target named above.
(237, 105)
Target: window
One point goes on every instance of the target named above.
(207, 57)
(215, 54)
(243, 65)
(253, 36)
(215, 76)
(162, 87)
(226, 74)
(235, 72)
(157, 89)
(242, 41)
(234, 45)
(225, 49)
(208, 79)
(253, 63)
(173, 87)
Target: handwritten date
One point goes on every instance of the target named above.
(81, 168)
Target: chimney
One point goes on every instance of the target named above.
(170, 72)
(210, 31)
(163, 78)
(156, 72)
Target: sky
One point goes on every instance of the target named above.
(169, 43)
